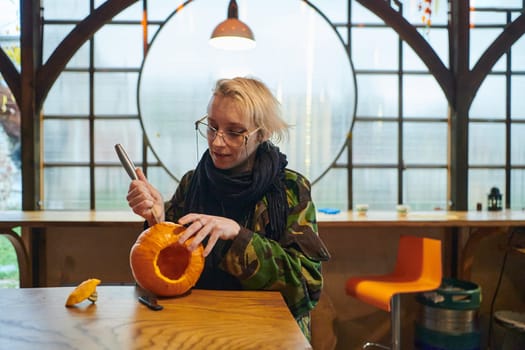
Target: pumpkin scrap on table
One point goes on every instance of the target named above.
(162, 265)
(85, 290)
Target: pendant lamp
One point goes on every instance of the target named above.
(232, 34)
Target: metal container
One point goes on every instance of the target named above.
(448, 318)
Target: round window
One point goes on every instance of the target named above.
(299, 55)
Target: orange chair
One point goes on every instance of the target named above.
(418, 269)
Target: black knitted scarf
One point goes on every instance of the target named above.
(217, 192)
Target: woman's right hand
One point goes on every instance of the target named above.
(145, 200)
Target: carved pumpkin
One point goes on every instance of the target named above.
(163, 266)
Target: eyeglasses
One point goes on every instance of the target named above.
(231, 138)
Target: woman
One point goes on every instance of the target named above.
(255, 218)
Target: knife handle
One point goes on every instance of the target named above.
(127, 163)
(150, 302)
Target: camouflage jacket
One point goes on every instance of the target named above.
(291, 266)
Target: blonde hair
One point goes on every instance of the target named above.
(255, 100)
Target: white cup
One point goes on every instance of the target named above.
(402, 209)
(361, 209)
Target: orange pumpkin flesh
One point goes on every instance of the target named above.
(163, 266)
(85, 290)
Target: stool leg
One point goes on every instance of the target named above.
(395, 316)
(375, 345)
(395, 321)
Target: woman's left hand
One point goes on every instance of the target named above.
(201, 226)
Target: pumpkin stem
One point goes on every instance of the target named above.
(93, 297)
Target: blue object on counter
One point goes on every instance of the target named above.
(329, 210)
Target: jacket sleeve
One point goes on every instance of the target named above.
(174, 208)
(292, 265)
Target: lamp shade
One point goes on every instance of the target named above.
(232, 34)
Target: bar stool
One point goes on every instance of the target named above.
(418, 269)
(512, 322)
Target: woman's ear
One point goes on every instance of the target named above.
(262, 136)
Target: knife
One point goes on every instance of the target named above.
(127, 163)
(150, 302)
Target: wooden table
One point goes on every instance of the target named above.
(438, 218)
(34, 224)
(466, 228)
(36, 318)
